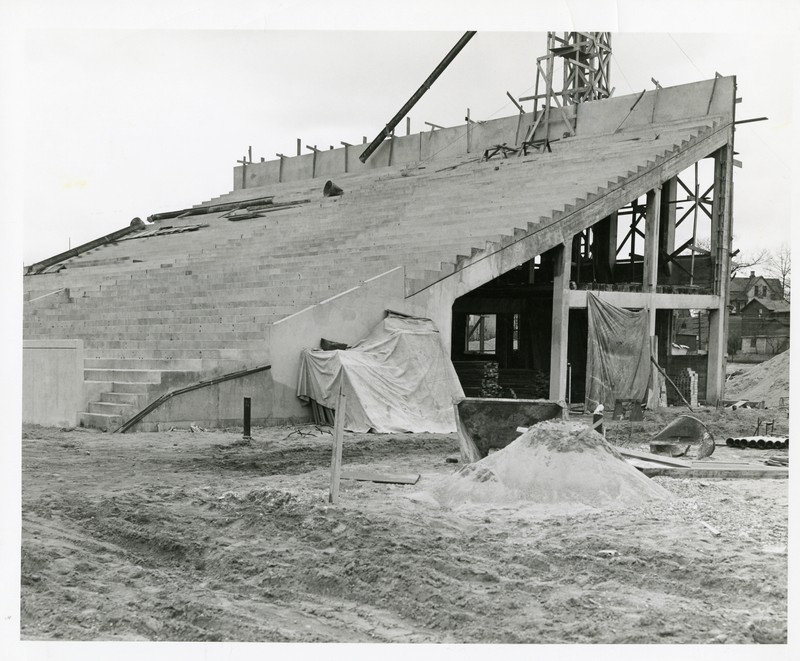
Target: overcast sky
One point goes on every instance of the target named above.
(113, 109)
(121, 123)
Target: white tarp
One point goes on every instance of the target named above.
(397, 379)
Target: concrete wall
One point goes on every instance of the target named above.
(595, 118)
(220, 405)
(670, 104)
(426, 145)
(347, 318)
(52, 382)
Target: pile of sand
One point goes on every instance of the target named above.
(768, 381)
(553, 463)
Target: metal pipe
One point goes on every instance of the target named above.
(387, 130)
(152, 406)
(729, 442)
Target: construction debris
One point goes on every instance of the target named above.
(759, 442)
(713, 530)
(682, 433)
(382, 478)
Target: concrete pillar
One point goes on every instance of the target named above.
(604, 247)
(669, 193)
(651, 245)
(560, 324)
(721, 232)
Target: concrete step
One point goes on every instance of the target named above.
(125, 375)
(188, 364)
(215, 355)
(136, 400)
(129, 387)
(104, 421)
(112, 408)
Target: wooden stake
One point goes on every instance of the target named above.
(336, 459)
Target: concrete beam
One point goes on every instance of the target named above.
(639, 301)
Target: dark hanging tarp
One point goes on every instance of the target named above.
(618, 354)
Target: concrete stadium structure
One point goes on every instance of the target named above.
(432, 225)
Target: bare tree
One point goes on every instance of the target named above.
(741, 262)
(779, 265)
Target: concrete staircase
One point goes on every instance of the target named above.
(164, 311)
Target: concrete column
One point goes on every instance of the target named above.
(669, 193)
(604, 247)
(651, 244)
(721, 232)
(560, 324)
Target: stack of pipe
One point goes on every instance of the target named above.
(759, 442)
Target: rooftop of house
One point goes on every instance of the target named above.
(741, 284)
(777, 307)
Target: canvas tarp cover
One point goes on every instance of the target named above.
(397, 379)
(618, 354)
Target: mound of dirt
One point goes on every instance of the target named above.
(768, 381)
(555, 464)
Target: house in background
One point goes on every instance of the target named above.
(765, 327)
(758, 320)
(691, 332)
(743, 290)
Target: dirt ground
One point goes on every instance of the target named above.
(182, 536)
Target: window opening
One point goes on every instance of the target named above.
(481, 333)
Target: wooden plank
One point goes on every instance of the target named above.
(381, 478)
(743, 472)
(657, 459)
(336, 459)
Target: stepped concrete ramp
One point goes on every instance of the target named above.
(252, 276)
(556, 464)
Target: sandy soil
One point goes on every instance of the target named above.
(767, 381)
(202, 536)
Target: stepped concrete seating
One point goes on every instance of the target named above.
(163, 311)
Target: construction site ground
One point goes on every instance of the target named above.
(203, 536)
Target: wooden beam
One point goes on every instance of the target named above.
(514, 101)
(382, 478)
(655, 458)
(748, 121)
